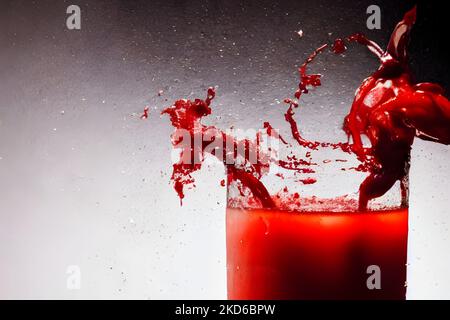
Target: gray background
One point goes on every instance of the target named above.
(84, 182)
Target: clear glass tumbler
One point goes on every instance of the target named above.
(316, 244)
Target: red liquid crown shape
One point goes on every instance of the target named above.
(389, 108)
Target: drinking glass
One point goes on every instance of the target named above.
(316, 244)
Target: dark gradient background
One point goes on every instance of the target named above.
(84, 182)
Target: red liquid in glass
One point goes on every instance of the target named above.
(274, 254)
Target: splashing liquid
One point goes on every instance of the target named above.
(389, 109)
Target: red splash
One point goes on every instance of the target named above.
(145, 113)
(389, 108)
